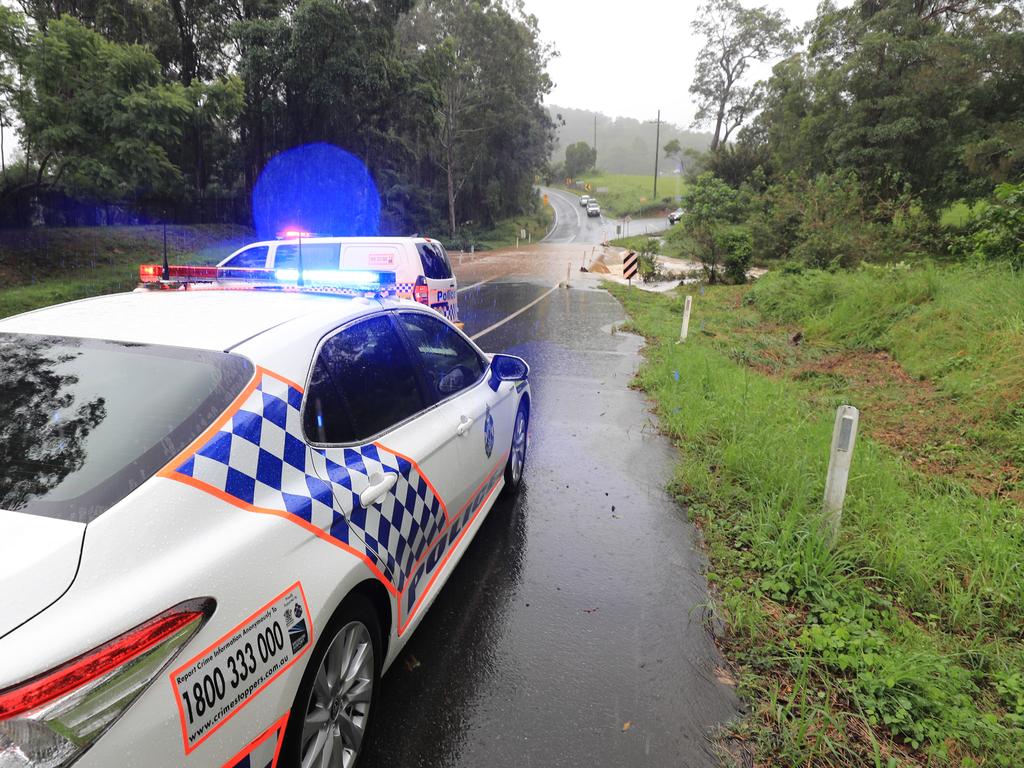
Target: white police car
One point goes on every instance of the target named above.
(225, 511)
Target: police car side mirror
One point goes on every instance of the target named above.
(507, 368)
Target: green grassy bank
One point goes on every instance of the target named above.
(45, 266)
(633, 195)
(900, 644)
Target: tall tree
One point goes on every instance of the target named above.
(579, 158)
(734, 38)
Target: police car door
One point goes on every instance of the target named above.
(388, 452)
(457, 374)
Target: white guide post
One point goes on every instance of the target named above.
(844, 437)
(686, 319)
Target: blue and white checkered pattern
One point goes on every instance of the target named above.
(259, 458)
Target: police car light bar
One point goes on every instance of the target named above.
(349, 282)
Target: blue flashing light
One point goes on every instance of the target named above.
(315, 188)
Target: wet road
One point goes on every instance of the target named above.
(571, 632)
(572, 225)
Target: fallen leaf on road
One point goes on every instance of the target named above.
(411, 662)
(590, 610)
(627, 725)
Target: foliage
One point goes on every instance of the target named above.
(900, 645)
(647, 260)
(999, 234)
(734, 39)
(710, 207)
(99, 113)
(738, 246)
(579, 158)
(879, 82)
(160, 105)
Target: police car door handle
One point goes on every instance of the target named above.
(379, 485)
(465, 422)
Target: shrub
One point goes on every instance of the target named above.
(739, 250)
(999, 235)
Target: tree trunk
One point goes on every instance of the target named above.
(718, 126)
(451, 192)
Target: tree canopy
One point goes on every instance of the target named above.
(177, 105)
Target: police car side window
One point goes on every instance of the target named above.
(314, 256)
(449, 362)
(362, 384)
(435, 261)
(250, 257)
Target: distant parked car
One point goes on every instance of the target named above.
(593, 209)
(676, 215)
(585, 200)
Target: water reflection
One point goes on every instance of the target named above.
(43, 425)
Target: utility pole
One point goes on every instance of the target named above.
(657, 153)
(595, 140)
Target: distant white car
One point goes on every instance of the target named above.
(676, 215)
(224, 511)
(593, 209)
(585, 200)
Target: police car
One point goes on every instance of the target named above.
(422, 269)
(226, 505)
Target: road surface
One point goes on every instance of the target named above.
(571, 633)
(572, 225)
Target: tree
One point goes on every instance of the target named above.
(97, 115)
(579, 158)
(711, 208)
(734, 38)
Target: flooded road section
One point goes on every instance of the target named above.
(571, 633)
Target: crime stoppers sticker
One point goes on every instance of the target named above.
(216, 683)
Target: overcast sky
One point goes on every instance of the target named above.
(633, 57)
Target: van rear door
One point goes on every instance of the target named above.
(441, 284)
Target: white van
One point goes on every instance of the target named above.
(421, 266)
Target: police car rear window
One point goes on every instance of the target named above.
(83, 422)
(435, 261)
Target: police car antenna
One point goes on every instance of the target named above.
(167, 268)
(300, 281)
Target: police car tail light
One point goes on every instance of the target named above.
(48, 721)
(421, 291)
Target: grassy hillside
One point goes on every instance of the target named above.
(49, 265)
(900, 645)
(633, 195)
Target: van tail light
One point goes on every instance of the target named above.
(421, 291)
(50, 720)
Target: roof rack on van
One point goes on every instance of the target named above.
(341, 282)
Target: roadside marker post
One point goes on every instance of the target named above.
(844, 437)
(685, 330)
(568, 271)
(630, 266)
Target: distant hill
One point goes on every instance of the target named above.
(624, 145)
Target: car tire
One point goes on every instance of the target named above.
(338, 708)
(516, 464)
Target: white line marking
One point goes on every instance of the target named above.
(517, 313)
(474, 285)
(554, 222)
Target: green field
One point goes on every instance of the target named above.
(901, 644)
(633, 195)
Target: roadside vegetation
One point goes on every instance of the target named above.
(879, 174)
(46, 266)
(198, 97)
(900, 645)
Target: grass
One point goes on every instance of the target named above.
(633, 195)
(505, 232)
(900, 644)
(46, 266)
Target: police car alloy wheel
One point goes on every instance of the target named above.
(331, 716)
(517, 454)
